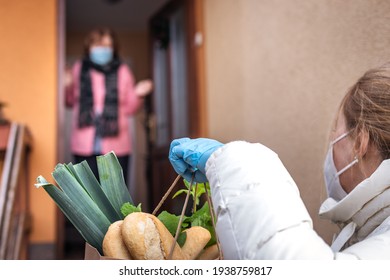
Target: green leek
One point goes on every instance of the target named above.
(89, 205)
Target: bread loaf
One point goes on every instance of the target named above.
(210, 253)
(146, 238)
(113, 245)
(197, 238)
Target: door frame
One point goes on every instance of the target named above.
(61, 35)
(196, 91)
(197, 75)
(196, 63)
(196, 79)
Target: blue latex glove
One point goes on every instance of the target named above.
(189, 156)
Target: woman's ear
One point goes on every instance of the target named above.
(361, 143)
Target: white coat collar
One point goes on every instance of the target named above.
(358, 199)
(363, 210)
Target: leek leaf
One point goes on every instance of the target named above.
(112, 181)
(93, 188)
(79, 197)
(86, 227)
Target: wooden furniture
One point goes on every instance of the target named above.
(14, 191)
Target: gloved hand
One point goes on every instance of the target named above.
(189, 156)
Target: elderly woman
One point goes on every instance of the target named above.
(101, 90)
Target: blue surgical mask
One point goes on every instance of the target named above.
(101, 55)
(331, 175)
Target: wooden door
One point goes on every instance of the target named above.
(173, 108)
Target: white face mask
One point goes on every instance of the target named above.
(331, 175)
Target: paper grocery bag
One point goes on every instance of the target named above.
(92, 254)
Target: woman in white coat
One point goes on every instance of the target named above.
(260, 214)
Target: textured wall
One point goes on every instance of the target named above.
(28, 84)
(277, 70)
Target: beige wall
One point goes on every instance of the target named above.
(28, 84)
(277, 70)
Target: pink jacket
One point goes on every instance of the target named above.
(82, 139)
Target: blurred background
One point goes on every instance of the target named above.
(272, 72)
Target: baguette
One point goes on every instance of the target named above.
(197, 238)
(146, 238)
(113, 245)
(210, 253)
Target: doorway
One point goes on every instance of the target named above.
(128, 18)
(132, 21)
(175, 108)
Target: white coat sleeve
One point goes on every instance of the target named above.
(260, 214)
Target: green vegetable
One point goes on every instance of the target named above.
(171, 222)
(203, 218)
(197, 190)
(89, 206)
(128, 208)
(86, 225)
(112, 181)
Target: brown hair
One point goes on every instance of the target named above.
(96, 35)
(366, 108)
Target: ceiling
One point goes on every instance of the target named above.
(121, 15)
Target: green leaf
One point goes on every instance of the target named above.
(87, 227)
(112, 181)
(180, 192)
(90, 206)
(200, 189)
(182, 239)
(171, 221)
(79, 197)
(74, 190)
(89, 182)
(213, 239)
(128, 208)
(202, 218)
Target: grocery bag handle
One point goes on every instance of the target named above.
(183, 212)
(165, 195)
